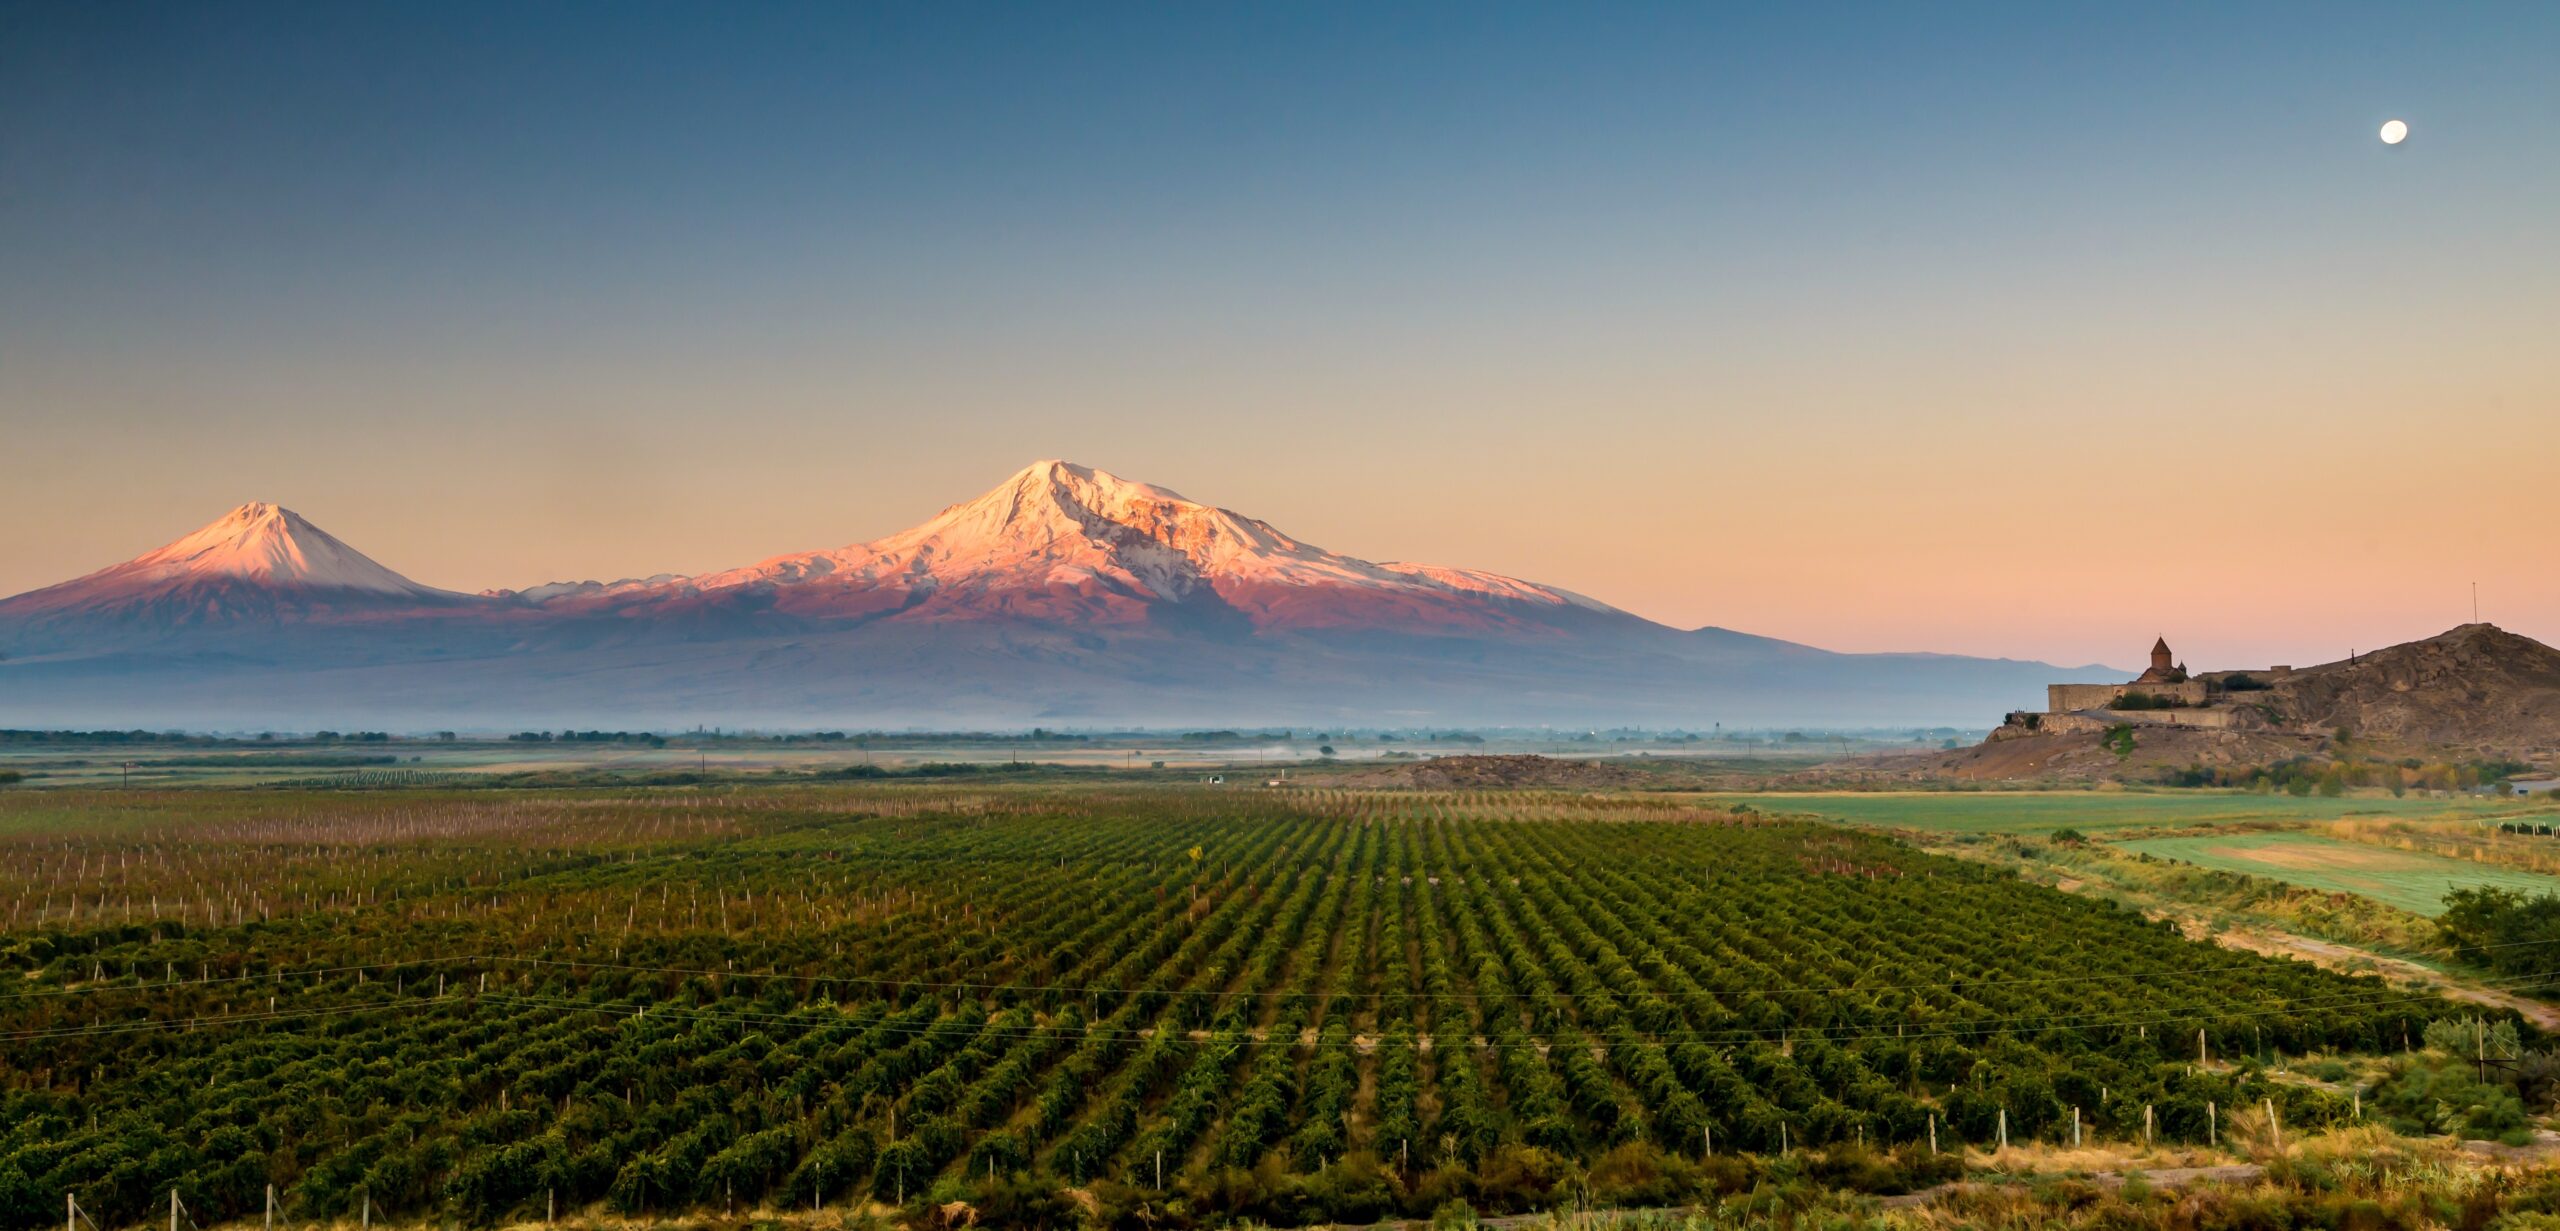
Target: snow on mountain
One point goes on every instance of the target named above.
(1063, 541)
(1065, 594)
(256, 559)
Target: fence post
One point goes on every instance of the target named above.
(70, 1213)
(2004, 1128)
(1933, 1132)
(173, 1209)
(2212, 1134)
(2146, 1126)
(271, 1207)
(2075, 1128)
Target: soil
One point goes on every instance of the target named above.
(1485, 772)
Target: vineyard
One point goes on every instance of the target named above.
(412, 1005)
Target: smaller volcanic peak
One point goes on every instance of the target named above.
(270, 545)
(257, 561)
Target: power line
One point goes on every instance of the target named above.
(1957, 984)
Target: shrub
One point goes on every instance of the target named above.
(2145, 701)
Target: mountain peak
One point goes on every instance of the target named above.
(1071, 543)
(258, 561)
(270, 544)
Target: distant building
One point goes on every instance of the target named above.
(2164, 686)
(2163, 694)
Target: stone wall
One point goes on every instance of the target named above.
(2065, 698)
(2216, 717)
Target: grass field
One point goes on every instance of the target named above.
(2406, 879)
(2092, 812)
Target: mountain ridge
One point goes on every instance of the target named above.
(1063, 593)
(1057, 540)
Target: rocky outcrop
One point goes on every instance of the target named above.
(2476, 688)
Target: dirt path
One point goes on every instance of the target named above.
(2164, 1178)
(2335, 956)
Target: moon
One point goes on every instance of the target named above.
(2395, 131)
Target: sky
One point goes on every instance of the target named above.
(2024, 330)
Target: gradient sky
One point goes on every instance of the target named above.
(2024, 330)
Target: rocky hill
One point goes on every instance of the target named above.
(2475, 688)
(2475, 692)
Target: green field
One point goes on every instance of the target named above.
(1999, 812)
(1292, 1006)
(2406, 879)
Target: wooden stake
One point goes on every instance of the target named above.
(2146, 1126)
(2004, 1128)
(2075, 1128)
(1933, 1132)
(2212, 1133)
(2274, 1129)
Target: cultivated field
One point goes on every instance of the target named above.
(1998, 812)
(2406, 879)
(1182, 1002)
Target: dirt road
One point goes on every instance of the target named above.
(2336, 956)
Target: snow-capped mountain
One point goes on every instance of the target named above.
(1066, 543)
(1065, 595)
(259, 561)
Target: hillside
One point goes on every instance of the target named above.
(2475, 691)
(2476, 687)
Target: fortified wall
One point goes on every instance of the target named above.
(2064, 698)
(2173, 698)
